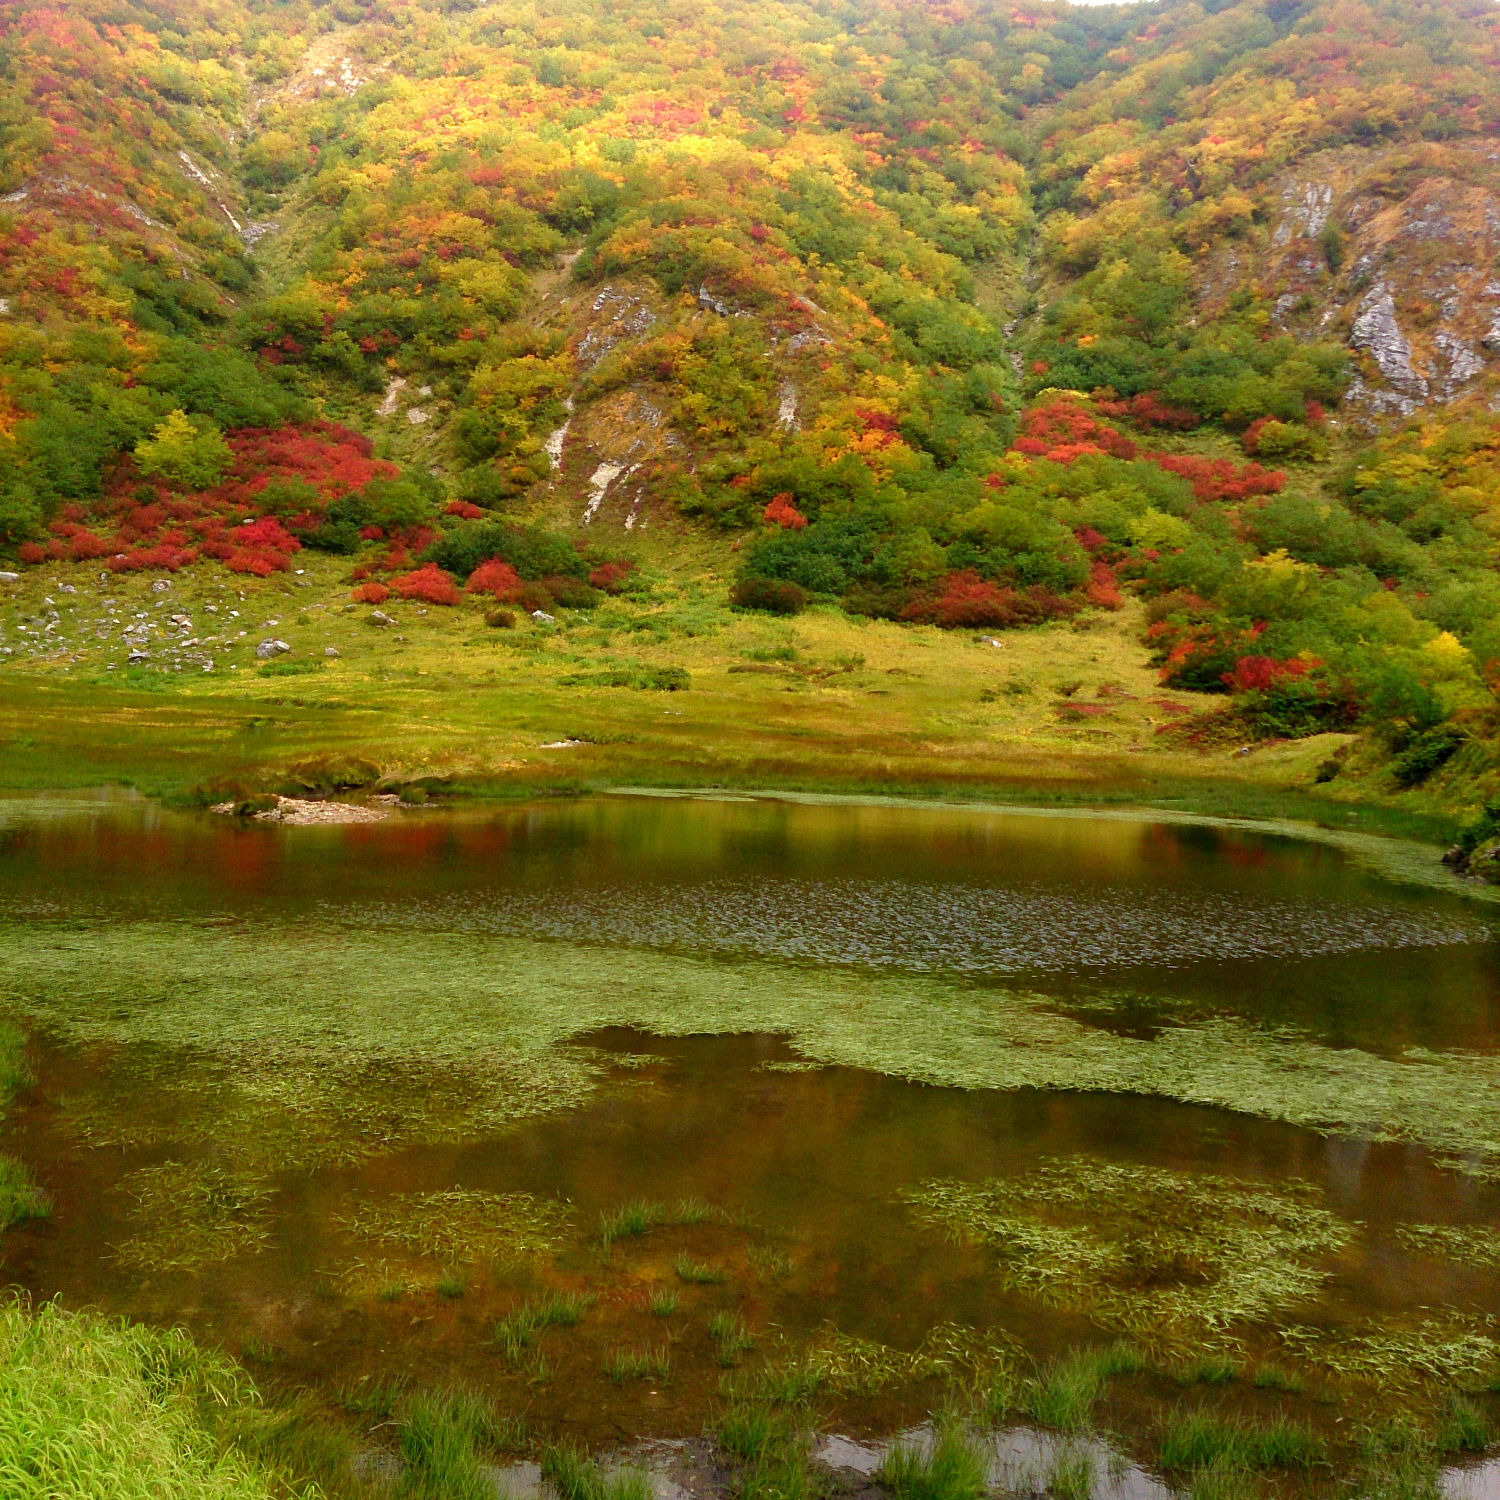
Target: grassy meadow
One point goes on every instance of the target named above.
(669, 687)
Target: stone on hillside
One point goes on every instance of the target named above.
(331, 651)
(1484, 862)
(269, 648)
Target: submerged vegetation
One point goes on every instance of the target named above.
(1160, 1253)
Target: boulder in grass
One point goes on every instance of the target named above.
(1484, 862)
(269, 649)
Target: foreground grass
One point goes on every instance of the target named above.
(115, 1412)
(1068, 714)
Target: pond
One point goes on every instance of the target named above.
(598, 1105)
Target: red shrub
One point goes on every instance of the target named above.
(1103, 591)
(30, 552)
(464, 509)
(1148, 410)
(1257, 673)
(161, 556)
(611, 577)
(497, 578)
(1218, 479)
(371, 593)
(781, 512)
(965, 599)
(1065, 430)
(428, 583)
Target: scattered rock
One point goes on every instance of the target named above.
(379, 617)
(269, 648)
(301, 811)
(160, 586)
(10, 577)
(137, 656)
(332, 651)
(543, 618)
(1484, 862)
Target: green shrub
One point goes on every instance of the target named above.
(770, 595)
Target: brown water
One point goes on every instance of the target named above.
(601, 1001)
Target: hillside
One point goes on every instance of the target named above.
(1168, 321)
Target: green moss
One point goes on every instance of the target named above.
(1142, 1248)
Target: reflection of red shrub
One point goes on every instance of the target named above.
(611, 577)
(965, 599)
(497, 578)
(371, 593)
(428, 583)
(781, 512)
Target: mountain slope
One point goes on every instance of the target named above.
(959, 314)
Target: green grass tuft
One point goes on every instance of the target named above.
(452, 1284)
(519, 1329)
(90, 1407)
(630, 1221)
(953, 1468)
(576, 1476)
(637, 1364)
(1273, 1378)
(1072, 1476)
(20, 1197)
(663, 1304)
(1209, 1369)
(1200, 1440)
(377, 1398)
(1063, 1395)
(699, 1273)
(1462, 1428)
(731, 1335)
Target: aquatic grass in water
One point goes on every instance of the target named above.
(1197, 1440)
(1144, 1248)
(698, 1272)
(729, 1332)
(404, 1036)
(20, 1196)
(1475, 1245)
(192, 1214)
(1072, 1474)
(637, 1364)
(1063, 1395)
(442, 1435)
(640, 1217)
(663, 1304)
(1272, 1377)
(463, 1224)
(518, 1330)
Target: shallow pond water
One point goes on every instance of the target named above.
(907, 1098)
